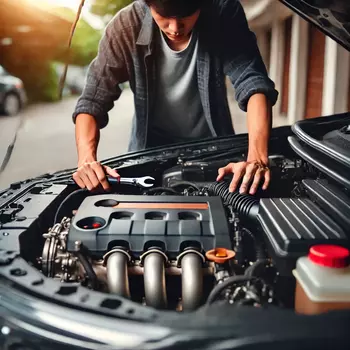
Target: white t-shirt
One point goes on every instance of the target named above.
(178, 110)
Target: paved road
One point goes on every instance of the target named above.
(46, 143)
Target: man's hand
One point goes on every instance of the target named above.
(252, 172)
(90, 173)
(255, 169)
(93, 176)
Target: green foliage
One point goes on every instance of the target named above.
(85, 40)
(50, 91)
(37, 70)
(41, 82)
(40, 79)
(108, 7)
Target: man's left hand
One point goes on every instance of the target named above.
(252, 172)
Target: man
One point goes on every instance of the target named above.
(175, 55)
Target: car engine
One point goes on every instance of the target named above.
(183, 244)
(188, 242)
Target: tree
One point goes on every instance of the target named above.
(40, 77)
(108, 8)
(85, 40)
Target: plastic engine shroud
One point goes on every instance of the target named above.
(172, 223)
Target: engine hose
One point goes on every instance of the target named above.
(88, 270)
(230, 281)
(261, 257)
(58, 211)
(161, 189)
(184, 184)
(258, 244)
(243, 204)
(253, 270)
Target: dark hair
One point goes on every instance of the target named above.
(175, 8)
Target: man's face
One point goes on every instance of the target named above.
(176, 29)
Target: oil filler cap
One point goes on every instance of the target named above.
(220, 255)
(329, 255)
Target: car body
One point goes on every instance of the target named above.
(13, 96)
(87, 271)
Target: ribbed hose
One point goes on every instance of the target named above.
(243, 204)
(259, 245)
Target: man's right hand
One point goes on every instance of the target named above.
(93, 176)
(90, 173)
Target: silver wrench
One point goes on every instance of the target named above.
(134, 181)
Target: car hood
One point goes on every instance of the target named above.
(332, 17)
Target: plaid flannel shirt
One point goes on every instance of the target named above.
(227, 47)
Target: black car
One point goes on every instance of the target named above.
(185, 264)
(12, 93)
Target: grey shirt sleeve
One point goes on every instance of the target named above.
(243, 63)
(105, 73)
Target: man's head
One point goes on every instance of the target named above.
(176, 18)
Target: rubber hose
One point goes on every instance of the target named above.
(89, 270)
(161, 189)
(184, 184)
(219, 288)
(258, 244)
(58, 211)
(253, 270)
(243, 204)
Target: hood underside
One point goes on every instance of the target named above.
(332, 17)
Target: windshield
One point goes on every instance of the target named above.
(142, 74)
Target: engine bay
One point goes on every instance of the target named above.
(183, 244)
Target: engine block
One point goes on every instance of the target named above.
(138, 223)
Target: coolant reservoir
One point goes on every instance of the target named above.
(323, 280)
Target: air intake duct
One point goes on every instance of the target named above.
(245, 205)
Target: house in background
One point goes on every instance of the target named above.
(311, 71)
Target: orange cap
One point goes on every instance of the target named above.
(220, 255)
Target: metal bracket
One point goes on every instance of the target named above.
(153, 250)
(185, 252)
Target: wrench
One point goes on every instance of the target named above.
(135, 181)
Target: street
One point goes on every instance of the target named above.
(46, 142)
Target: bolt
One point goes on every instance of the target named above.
(5, 234)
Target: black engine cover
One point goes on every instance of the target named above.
(292, 226)
(140, 222)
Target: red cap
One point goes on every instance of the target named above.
(329, 255)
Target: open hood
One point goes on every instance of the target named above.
(332, 17)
